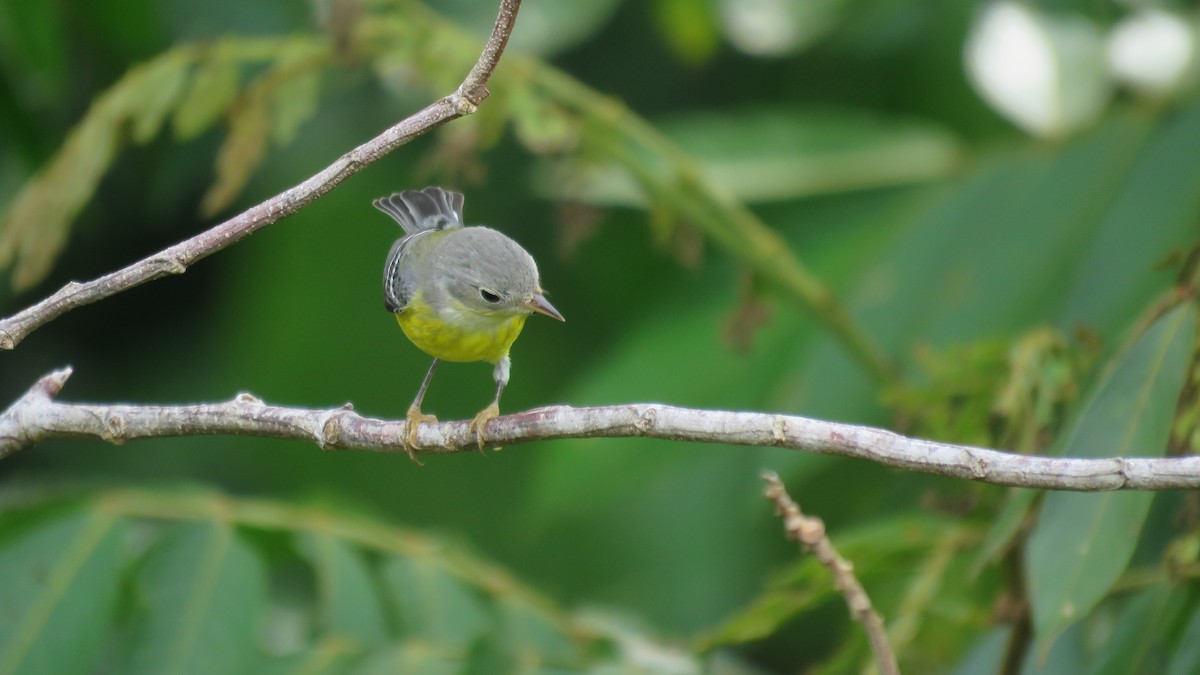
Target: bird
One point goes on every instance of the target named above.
(460, 293)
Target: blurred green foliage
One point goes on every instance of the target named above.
(833, 226)
(204, 566)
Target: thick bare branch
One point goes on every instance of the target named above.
(36, 417)
(176, 259)
(809, 531)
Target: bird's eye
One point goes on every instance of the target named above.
(489, 296)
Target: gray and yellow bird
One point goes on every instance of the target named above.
(459, 293)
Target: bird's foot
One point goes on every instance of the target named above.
(479, 424)
(415, 417)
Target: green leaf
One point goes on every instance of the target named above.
(1186, 659)
(533, 637)
(1005, 527)
(59, 592)
(528, 639)
(294, 103)
(295, 83)
(488, 655)
(153, 90)
(780, 153)
(987, 654)
(200, 595)
(540, 124)
(1139, 632)
(348, 596)
(432, 604)
(416, 658)
(327, 657)
(1153, 213)
(1067, 656)
(197, 596)
(34, 229)
(213, 89)
(242, 151)
(1083, 542)
(966, 267)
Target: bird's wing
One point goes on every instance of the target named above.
(398, 286)
(418, 210)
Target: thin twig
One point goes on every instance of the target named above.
(36, 417)
(176, 259)
(810, 532)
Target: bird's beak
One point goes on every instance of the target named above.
(538, 303)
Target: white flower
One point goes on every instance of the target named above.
(1045, 74)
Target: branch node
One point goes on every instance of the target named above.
(859, 605)
(809, 530)
(1123, 471)
(330, 426)
(466, 101)
(114, 430)
(647, 420)
(6, 340)
(245, 398)
(51, 385)
(978, 466)
(169, 265)
(779, 431)
(329, 435)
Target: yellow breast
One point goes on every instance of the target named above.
(459, 334)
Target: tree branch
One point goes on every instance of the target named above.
(176, 259)
(810, 532)
(37, 417)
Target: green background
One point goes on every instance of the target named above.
(954, 241)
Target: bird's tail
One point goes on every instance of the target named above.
(417, 210)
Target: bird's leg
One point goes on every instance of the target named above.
(415, 416)
(479, 424)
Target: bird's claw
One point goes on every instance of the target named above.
(479, 424)
(415, 417)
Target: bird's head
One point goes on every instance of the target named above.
(490, 274)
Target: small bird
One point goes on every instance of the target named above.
(459, 293)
